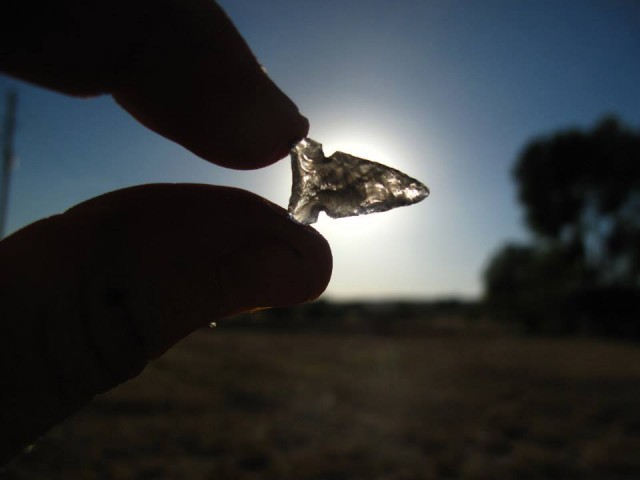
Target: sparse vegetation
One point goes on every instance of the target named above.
(247, 405)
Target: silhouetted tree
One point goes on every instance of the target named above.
(581, 196)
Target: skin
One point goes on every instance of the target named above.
(91, 295)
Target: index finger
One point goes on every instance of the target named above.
(179, 66)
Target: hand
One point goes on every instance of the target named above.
(89, 296)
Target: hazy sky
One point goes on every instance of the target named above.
(447, 91)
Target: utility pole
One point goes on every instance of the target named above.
(8, 132)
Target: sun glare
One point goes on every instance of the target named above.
(343, 231)
(373, 151)
(366, 248)
(350, 228)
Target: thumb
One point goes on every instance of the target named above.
(91, 295)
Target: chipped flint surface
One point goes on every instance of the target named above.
(343, 185)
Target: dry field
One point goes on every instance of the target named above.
(226, 405)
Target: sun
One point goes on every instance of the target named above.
(358, 228)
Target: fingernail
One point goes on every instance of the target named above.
(300, 128)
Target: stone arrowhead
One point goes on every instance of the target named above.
(343, 185)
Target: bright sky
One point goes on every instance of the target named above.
(446, 91)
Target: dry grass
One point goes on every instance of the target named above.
(259, 406)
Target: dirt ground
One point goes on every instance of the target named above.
(226, 405)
